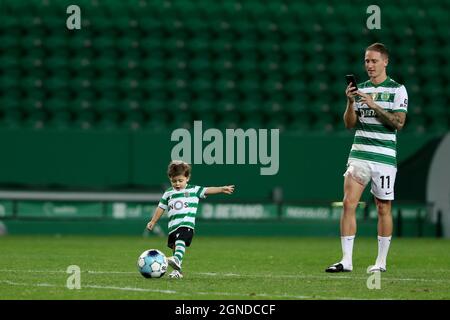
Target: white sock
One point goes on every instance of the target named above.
(383, 248)
(347, 251)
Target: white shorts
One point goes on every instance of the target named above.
(382, 177)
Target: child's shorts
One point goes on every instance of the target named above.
(182, 233)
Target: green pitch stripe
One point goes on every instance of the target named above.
(182, 215)
(363, 85)
(199, 192)
(183, 195)
(181, 252)
(388, 83)
(391, 84)
(182, 224)
(374, 128)
(180, 243)
(179, 256)
(375, 142)
(372, 156)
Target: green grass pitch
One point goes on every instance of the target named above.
(221, 268)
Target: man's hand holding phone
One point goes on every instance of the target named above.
(351, 90)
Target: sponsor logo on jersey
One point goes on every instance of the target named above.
(367, 113)
(178, 205)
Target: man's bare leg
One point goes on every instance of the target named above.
(352, 193)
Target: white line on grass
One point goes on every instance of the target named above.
(133, 289)
(203, 293)
(12, 283)
(216, 274)
(304, 276)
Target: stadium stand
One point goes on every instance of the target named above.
(224, 61)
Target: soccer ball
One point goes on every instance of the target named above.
(152, 264)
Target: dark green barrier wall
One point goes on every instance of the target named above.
(64, 158)
(47, 217)
(310, 227)
(311, 166)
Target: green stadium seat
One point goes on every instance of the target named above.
(134, 120)
(156, 122)
(226, 106)
(107, 104)
(12, 118)
(249, 85)
(10, 80)
(273, 107)
(323, 123)
(109, 121)
(208, 120)
(105, 62)
(154, 105)
(226, 85)
(85, 120)
(201, 85)
(229, 120)
(255, 120)
(203, 106)
(439, 125)
(59, 81)
(61, 120)
(179, 120)
(154, 62)
(250, 105)
(106, 82)
(415, 124)
(9, 104)
(300, 123)
(9, 62)
(278, 120)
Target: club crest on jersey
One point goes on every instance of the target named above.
(385, 96)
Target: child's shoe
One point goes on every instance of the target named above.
(174, 262)
(175, 274)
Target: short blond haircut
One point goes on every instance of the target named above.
(379, 47)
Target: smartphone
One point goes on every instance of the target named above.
(351, 80)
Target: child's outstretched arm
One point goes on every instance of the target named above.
(158, 213)
(216, 190)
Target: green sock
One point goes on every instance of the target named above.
(180, 249)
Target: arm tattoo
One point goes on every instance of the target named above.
(390, 119)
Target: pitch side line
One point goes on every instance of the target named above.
(229, 294)
(214, 274)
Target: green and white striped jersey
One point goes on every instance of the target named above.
(375, 142)
(182, 206)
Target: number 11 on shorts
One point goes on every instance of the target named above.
(388, 180)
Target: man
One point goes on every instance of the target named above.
(377, 114)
